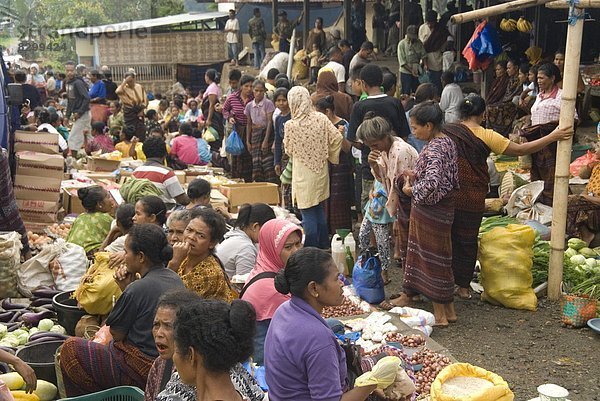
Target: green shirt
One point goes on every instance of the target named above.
(256, 30)
(89, 230)
(410, 53)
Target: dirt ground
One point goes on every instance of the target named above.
(525, 348)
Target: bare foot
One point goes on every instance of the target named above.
(463, 293)
(439, 312)
(450, 313)
(402, 301)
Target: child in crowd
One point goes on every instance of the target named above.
(270, 84)
(314, 63)
(258, 133)
(356, 83)
(151, 120)
(116, 121)
(185, 147)
(281, 159)
(46, 122)
(173, 120)
(130, 145)
(234, 82)
(100, 141)
(115, 240)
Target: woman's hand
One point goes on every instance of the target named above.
(562, 134)
(28, 374)
(116, 259)
(373, 156)
(180, 252)
(278, 169)
(231, 120)
(407, 187)
(123, 278)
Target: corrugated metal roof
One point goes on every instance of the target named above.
(280, 1)
(146, 23)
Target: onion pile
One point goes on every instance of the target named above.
(413, 340)
(432, 363)
(348, 308)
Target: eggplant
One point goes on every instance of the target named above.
(32, 319)
(45, 334)
(10, 350)
(17, 315)
(45, 292)
(41, 340)
(7, 304)
(38, 309)
(6, 316)
(40, 301)
(13, 326)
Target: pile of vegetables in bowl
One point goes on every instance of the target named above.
(44, 391)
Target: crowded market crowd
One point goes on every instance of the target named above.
(411, 171)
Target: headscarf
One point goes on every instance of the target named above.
(327, 85)
(308, 134)
(262, 293)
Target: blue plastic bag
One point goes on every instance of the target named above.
(487, 44)
(204, 150)
(367, 280)
(234, 144)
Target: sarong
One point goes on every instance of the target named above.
(338, 207)
(131, 117)
(500, 117)
(469, 200)
(428, 269)
(543, 162)
(81, 125)
(402, 223)
(263, 168)
(88, 367)
(241, 166)
(582, 212)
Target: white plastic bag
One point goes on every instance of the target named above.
(416, 318)
(10, 257)
(70, 265)
(524, 206)
(36, 272)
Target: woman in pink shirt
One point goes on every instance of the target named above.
(185, 147)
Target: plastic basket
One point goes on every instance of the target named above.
(123, 393)
(576, 311)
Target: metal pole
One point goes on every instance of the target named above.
(563, 155)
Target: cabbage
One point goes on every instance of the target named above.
(10, 340)
(577, 259)
(576, 244)
(570, 252)
(57, 328)
(21, 335)
(588, 253)
(3, 330)
(33, 330)
(591, 262)
(46, 324)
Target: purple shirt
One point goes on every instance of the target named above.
(258, 112)
(303, 359)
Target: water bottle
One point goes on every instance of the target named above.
(338, 254)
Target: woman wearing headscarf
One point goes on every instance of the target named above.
(36, 79)
(327, 86)
(311, 140)
(278, 239)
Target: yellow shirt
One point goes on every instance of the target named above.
(125, 147)
(496, 142)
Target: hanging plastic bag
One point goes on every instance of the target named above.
(506, 257)
(234, 144)
(204, 151)
(367, 280)
(487, 44)
(462, 381)
(98, 287)
(582, 161)
(470, 55)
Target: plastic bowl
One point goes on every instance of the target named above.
(41, 359)
(594, 324)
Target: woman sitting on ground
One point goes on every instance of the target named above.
(115, 241)
(238, 250)
(91, 228)
(87, 366)
(279, 239)
(200, 270)
(211, 338)
(303, 358)
(164, 383)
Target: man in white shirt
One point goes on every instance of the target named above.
(335, 64)
(232, 28)
(452, 98)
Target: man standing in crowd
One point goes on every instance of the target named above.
(410, 54)
(335, 65)
(378, 24)
(359, 33)
(78, 108)
(110, 86)
(362, 57)
(284, 30)
(232, 28)
(434, 38)
(258, 35)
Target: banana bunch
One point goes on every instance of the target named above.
(508, 25)
(524, 26)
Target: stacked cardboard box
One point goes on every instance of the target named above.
(39, 175)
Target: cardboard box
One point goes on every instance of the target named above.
(180, 176)
(98, 175)
(40, 164)
(42, 217)
(35, 227)
(37, 188)
(39, 211)
(71, 202)
(42, 142)
(98, 164)
(253, 192)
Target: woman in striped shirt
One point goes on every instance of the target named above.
(233, 111)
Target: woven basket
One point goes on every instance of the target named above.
(576, 310)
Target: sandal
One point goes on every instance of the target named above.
(385, 305)
(462, 295)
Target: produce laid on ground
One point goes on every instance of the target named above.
(59, 230)
(427, 365)
(351, 306)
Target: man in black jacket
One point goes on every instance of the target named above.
(78, 108)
